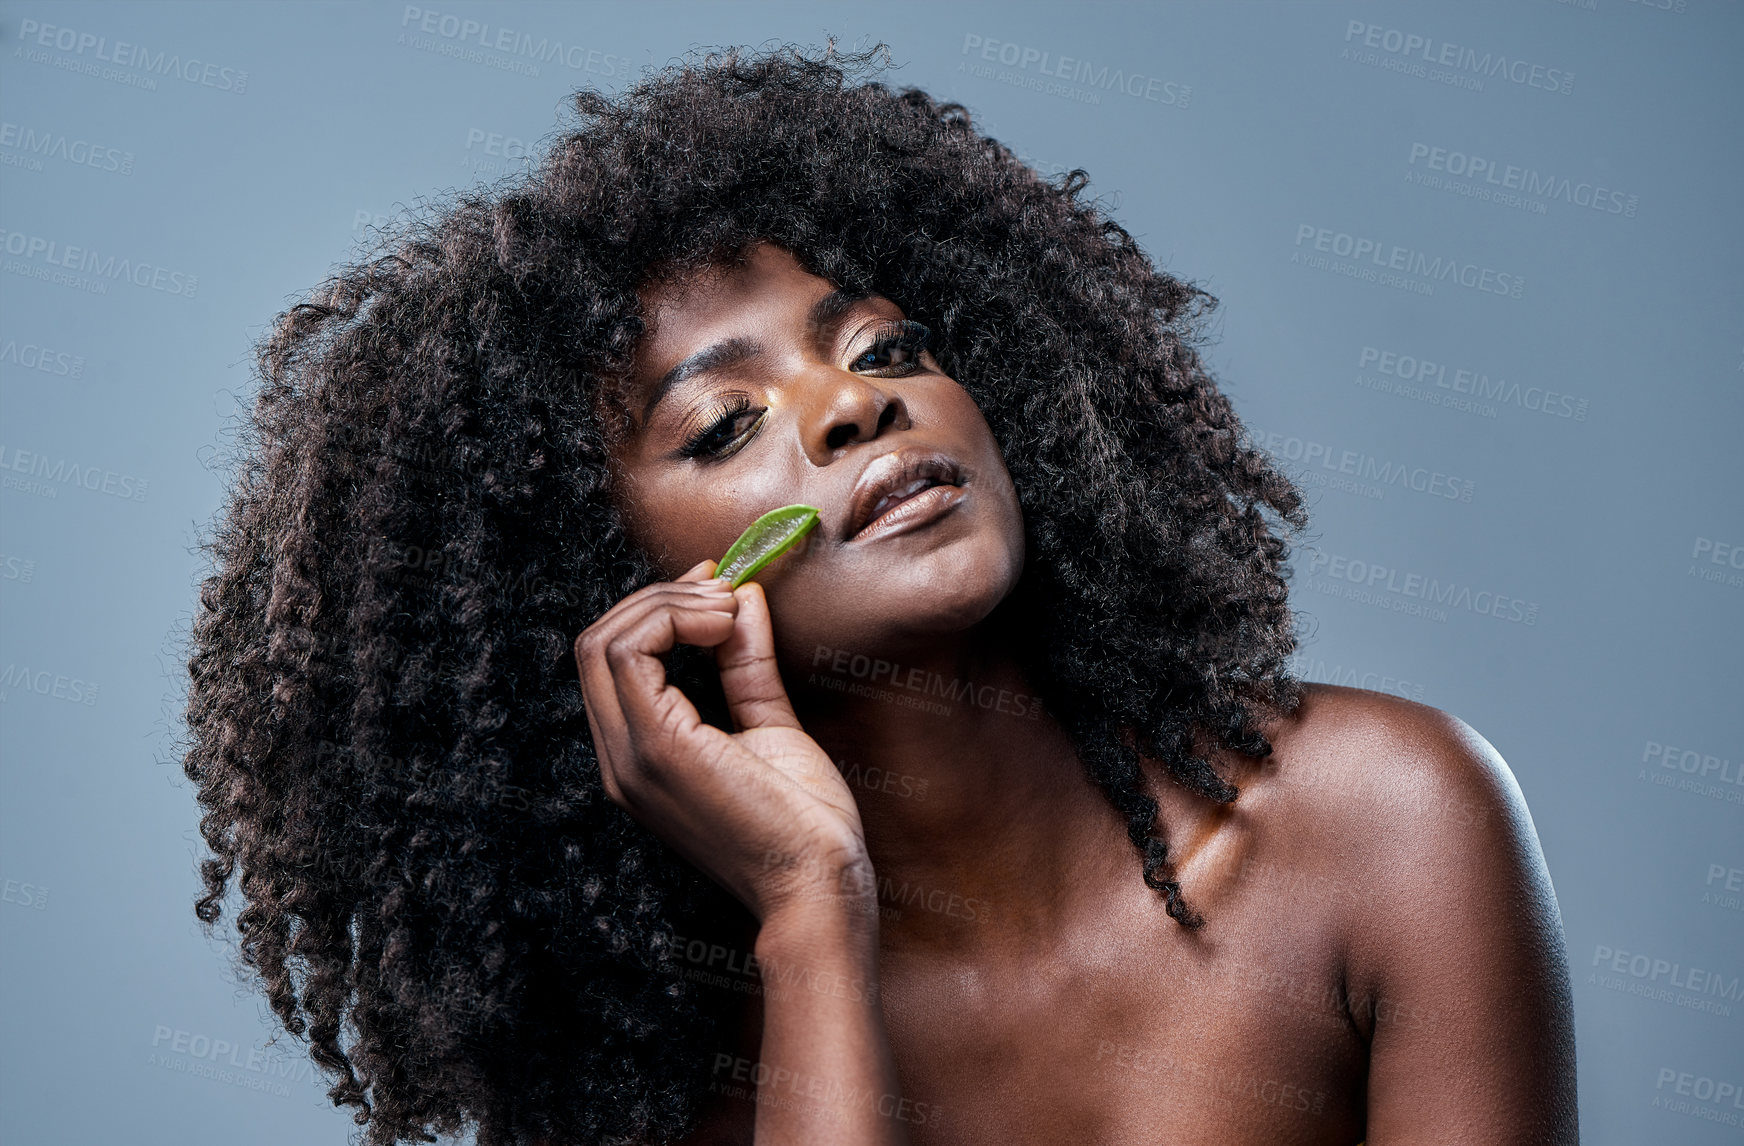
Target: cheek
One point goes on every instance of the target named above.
(659, 521)
(957, 411)
(680, 523)
(994, 476)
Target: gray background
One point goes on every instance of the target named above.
(244, 147)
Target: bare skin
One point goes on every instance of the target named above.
(980, 962)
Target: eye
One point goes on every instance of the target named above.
(900, 342)
(722, 429)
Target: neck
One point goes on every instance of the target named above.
(974, 802)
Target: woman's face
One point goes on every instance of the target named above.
(758, 386)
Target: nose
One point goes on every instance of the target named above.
(848, 407)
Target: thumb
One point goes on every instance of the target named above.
(750, 678)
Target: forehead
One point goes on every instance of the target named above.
(683, 311)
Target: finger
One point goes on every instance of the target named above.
(703, 570)
(590, 648)
(607, 748)
(605, 718)
(709, 594)
(605, 715)
(750, 678)
(595, 649)
(662, 723)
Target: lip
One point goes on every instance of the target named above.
(890, 473)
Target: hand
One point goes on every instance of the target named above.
(762, 810)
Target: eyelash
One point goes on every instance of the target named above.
(903, 334)
(720, 418)
(907, 333)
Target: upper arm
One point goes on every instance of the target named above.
(1458, 955)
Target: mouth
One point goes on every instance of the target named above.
(892, 491)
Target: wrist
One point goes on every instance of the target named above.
(834, 909)
(814, 883)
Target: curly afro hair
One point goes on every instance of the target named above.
(385, 726)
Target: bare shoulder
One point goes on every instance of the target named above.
(1414, 807)
(1409, 808)
(1453, 957)
(1389, 769)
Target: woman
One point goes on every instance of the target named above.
(930, 832)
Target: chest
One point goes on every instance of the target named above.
(1115, 1044)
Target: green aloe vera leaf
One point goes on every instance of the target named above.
(764, 540)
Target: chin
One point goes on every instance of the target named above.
(952, 595)
(888, 604)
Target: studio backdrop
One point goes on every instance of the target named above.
(1479, 275)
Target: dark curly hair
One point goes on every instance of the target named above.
(385, 725)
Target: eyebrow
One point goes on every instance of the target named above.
(824, 314)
